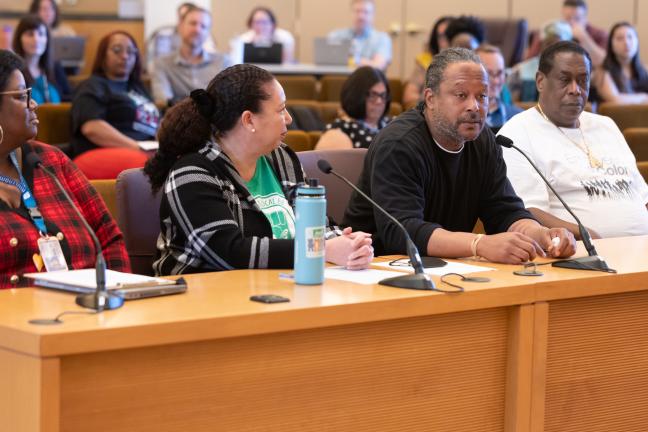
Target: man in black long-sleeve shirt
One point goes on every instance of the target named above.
(436, 169)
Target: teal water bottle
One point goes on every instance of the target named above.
(310, 214)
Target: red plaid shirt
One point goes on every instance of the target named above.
(19, 235)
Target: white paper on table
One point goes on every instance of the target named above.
(365, 277)
(148, 145)
(450, 267)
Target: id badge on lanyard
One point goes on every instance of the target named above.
(51, 255)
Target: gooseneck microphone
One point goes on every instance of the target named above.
(590, 262)
(419, 280)
(101, 299)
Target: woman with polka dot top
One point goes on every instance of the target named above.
(365, 100)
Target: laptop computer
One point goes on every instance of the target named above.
(331, 53)
(269, 54)
(129, 286)
(69, 50)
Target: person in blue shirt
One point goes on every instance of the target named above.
(369, 47)
(499, 111)
(47, 79)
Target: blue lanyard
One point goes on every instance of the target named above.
(27, 197)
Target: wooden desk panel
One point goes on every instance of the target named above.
(443, 372)
(515, 354)
(597, 364)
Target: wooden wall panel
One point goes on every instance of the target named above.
(597, 364)
(438, 373)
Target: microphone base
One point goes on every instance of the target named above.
(594, 263)
(417, 281)
(100, 301)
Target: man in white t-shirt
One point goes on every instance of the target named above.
(583, 155)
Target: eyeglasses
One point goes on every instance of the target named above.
(375, 96)
(23, 95)
(119, 50)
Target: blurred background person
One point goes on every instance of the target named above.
(191, 66)
(112, 107)
(623, 78)
(369, 47)
(46, 78)
(413, 91)
(365, 99)
(499, 111)
(48, 11)
(522, 78)
(21, 232)
(263, 31)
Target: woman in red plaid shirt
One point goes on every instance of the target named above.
(24, 188)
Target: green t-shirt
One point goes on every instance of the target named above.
(267, 193)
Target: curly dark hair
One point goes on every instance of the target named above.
(547, 56)
(9, 62)
(213, 112)
(355, 91)
(466, 24)
(45, 63)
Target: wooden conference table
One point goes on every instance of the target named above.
(567, 351)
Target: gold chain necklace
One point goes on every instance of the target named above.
(593, 160)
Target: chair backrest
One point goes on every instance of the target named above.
(138, 212)
(55, 123)
(396, 89)
(347, 162)
(643, 169)
(299, 86)
(314, 137)
(508, 34)
(626, 116)
(637, 139)
(306, 114)
(331, 86)
(298, 140)
(107, 189)
(107, 163)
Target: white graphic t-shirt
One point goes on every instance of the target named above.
(610, 199)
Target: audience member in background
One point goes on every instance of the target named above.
(227, 181)
(522, 79)
(46, 78)
(413, 91)
(191, 66)
(593, 39)
(263, 31)
(437, 170)
(365, 99)
(623, 78)
(31, 207)
(465, 32)
(499, 112)
(48, 11)
(369, 47)
(112, 108)
(583, 155)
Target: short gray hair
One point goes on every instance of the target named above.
(441, 61)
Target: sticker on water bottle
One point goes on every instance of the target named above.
(315, 242)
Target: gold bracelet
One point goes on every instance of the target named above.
(473, 245)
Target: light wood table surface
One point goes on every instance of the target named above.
(567, 351)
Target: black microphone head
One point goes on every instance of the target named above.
(33, 160)
(504, 141)
(324, 166)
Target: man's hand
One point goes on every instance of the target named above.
(509, 248)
